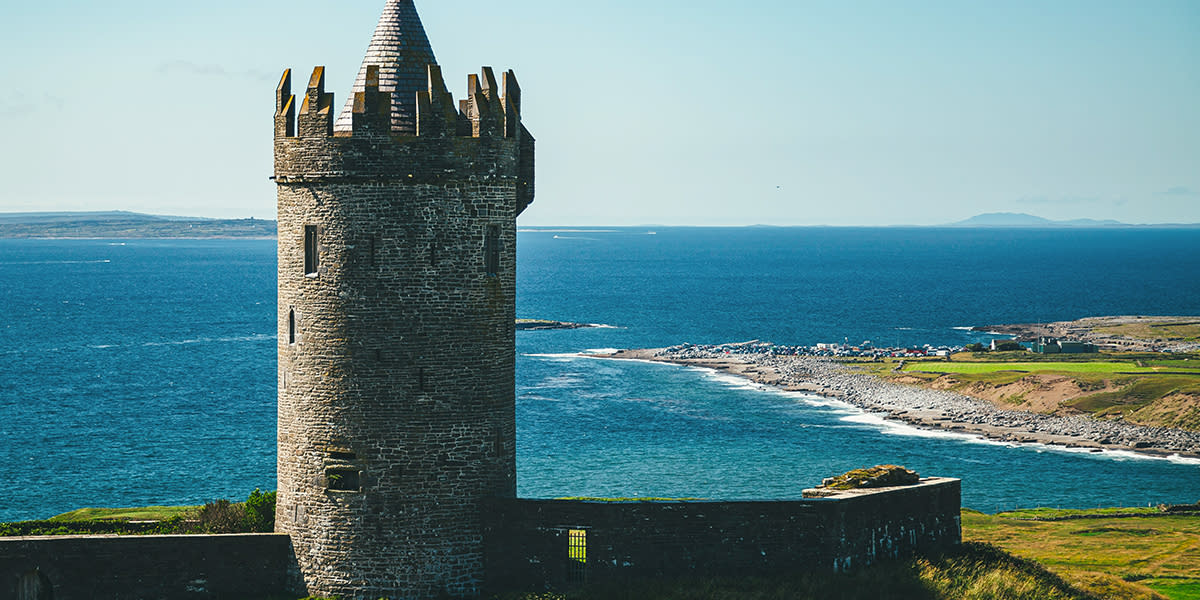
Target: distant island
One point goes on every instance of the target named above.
(1022, 220)
(543, 325)
(128, 225)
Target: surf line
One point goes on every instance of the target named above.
(750, 374)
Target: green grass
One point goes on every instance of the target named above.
(1151, 556)
(1175, 589)
(973, 368)
(1058, 513)
(1175, 364)
(148, 513)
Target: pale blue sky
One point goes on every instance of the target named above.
(646, 112)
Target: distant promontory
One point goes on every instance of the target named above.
(1027, 221)
(128, 225)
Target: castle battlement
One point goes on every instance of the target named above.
(481, 139)
(488, 110)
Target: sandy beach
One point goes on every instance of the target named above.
(925, 408)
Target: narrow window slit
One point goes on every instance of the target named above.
(292, 326)
(312, 258)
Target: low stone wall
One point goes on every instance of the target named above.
(530, 545)
(193, 567)
(536, 544)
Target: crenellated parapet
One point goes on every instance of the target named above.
(479, 138)
(488, 110)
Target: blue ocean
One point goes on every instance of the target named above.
(142, 372)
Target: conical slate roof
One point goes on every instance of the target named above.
(402, 51)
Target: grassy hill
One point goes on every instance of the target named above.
(1144, 388)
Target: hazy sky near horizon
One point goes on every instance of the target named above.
(786, 112)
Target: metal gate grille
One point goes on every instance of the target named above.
(577, 556)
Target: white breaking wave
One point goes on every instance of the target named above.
(559, 358)
(261, 337)
(889, 427)
(246, 338)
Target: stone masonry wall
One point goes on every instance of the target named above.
(200, 567)
(396, 355)
(528, 540)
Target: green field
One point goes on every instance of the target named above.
(1093, 367)
(1176, 364)
(1152, 556)
(148, 513)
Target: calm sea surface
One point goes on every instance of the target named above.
(143, 372)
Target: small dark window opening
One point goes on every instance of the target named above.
(338, 455)
(421, 378)
(343, 480)
(378, 355)
(312, 259)
(491, 249)
(292, 326)
(577, 556)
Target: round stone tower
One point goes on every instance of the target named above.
(396, 320)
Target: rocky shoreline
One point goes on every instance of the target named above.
(925, 408)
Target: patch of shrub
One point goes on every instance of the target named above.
(221, 516)
(260, 512)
